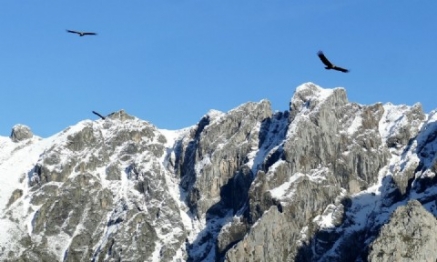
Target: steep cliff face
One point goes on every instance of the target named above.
(325, 180)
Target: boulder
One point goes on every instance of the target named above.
(20, 133)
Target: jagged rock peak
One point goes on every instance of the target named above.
(327, 180)
(20, 132)
(309, 95)
(214, 114)
(120, 115)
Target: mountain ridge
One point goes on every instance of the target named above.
(321, 181)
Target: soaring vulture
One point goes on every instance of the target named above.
(329, 65)
(102, 117)
(81, 33)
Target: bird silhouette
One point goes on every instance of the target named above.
(329, 65)
(81, 33)
(102, 117)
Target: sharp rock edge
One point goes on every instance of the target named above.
(325, 180)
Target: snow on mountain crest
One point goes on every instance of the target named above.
(313, 90)
(315, 183)
(214, 114)
(307, 96)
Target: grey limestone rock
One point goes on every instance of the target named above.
(325, 180)
(218, 150)
(266, 241)
(86, 138)
(120, 115)
(113, 172)
(318, 151)
(410, 235)
(82, 188)
(15, 195)
(20, 132)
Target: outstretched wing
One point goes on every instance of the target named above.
(89, 33)
(81, 33)
(344, 70)
(74, 32)
(102, 117)
(324, 59)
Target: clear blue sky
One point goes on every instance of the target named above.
(169, 62)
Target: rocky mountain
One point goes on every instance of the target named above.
(325, 180)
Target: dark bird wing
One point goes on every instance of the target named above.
(74, 32)
(324, 59)
(81, 33)
(344, 70)
(102, 117)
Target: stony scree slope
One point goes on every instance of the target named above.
(324, 180)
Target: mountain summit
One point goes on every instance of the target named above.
(325, 180)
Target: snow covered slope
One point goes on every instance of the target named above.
(325, 180)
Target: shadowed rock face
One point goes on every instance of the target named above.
(325, 180)
(320, 162)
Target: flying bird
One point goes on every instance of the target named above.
(102, 117)
(329, 65)
(81, 33)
